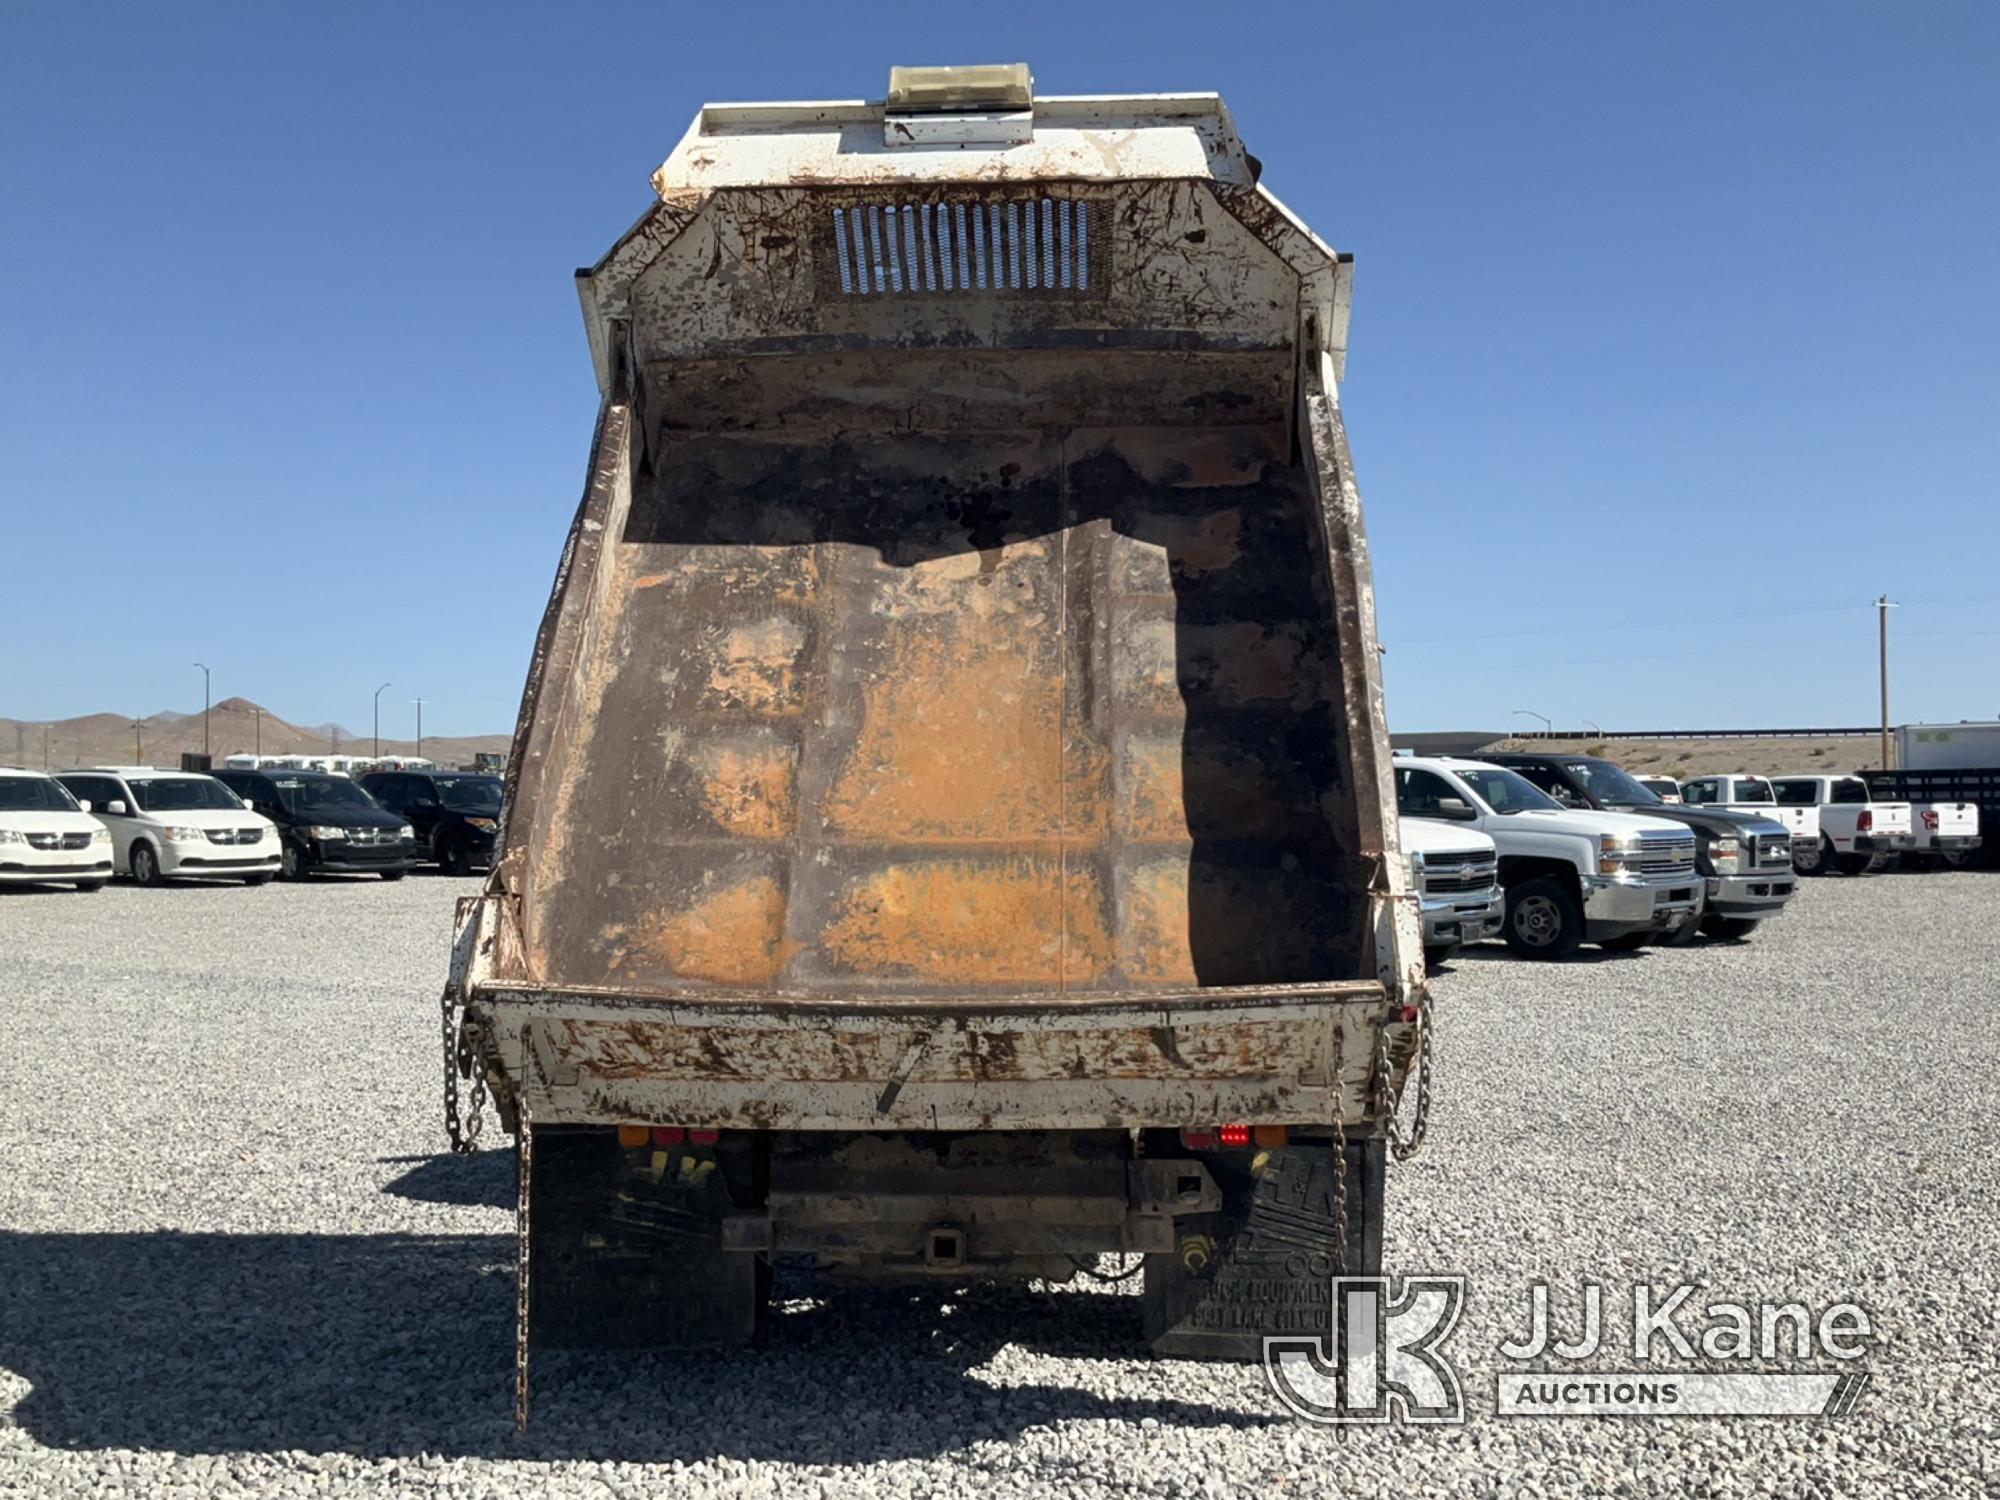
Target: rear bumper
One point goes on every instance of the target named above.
(1462, 917)
(1948, 843)
(1883, 843)
(1298, 1055)
(1756, 895)
(1612, 907)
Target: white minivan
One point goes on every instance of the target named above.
(45, 838)
(171, 825)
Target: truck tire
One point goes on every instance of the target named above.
(1955, 859)
(1812, 858)
(1629, 942)
(1264, 1263)
(452, 859)
(626, 1246)
(394, 874)
(291, 863)
(1855, 864)
(85, 887)
(1544, 919)
(1442, 953)
(1735, 929)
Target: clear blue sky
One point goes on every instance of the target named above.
(1695, 299)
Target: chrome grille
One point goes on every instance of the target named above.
(57, 840)
(1665, 854)
(1448, 873)
(1772, 850)
(235, 835)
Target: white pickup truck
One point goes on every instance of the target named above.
(1756, 794)
(1571, 875)
(1857, 834)
(1456, 870)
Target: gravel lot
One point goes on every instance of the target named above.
(233, 1259)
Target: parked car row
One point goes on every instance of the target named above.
(1552, 851)
(86, 826)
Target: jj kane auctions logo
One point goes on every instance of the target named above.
(1383, 1357)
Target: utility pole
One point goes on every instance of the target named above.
(378, 719)
(45, 747)
(259, 752)
(1882, 608)
(204, 708)
(138, 742)
(420, 727)
(333, 740)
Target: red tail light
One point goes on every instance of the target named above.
(1198, 1140)
(1865, 823)
(703, 1137)
(668, 1135)
(1235, 1135)
(1930, 820)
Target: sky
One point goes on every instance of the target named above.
(1673, 341)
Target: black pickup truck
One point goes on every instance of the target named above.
(1745, 859)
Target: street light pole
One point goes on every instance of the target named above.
(420, 727)
(204, 708)
(1548, 726)
(378, 719)
(1882, 608)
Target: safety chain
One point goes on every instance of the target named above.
(524, 1190)
(461, 1062)
(1339, 1168)
(1389, 1102)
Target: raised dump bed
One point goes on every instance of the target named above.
(955, 733)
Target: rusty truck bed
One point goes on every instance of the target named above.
(958, 701)
(953, 713)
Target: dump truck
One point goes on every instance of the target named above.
(949, 831)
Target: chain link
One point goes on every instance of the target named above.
(461, 1061)
(524, 1143)
(1389, 1102)
(1339, 1168)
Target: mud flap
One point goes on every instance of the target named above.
(627, 1245)
(1264, 1264)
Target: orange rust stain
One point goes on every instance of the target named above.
(756, 666)
(962, 737)
(974, 922)
(733, 936)
(1153, 942)
(651, 580)
(751, 793)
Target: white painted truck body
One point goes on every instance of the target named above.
(1457, 874)
(1948, 747)
(1633, 873)
(1853, 825)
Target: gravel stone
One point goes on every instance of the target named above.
(235, 1259)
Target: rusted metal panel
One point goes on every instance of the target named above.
(1046, 1062)
(936, 686)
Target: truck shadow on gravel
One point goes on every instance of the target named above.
(386, 1346)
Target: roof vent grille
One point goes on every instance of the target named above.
(1035, 245)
